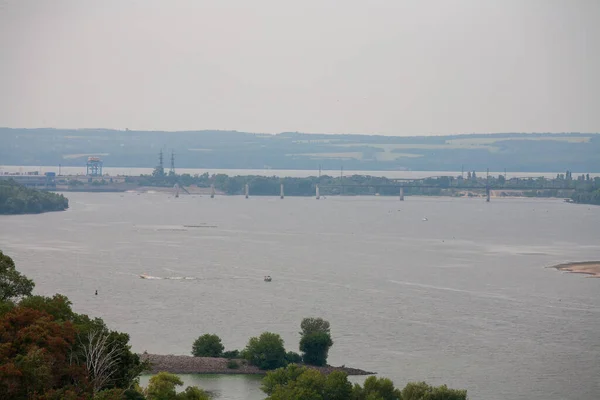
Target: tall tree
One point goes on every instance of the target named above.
(13, 285)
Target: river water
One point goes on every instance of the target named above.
(463, 298)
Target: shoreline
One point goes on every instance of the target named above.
(591, 268)
(177, 364)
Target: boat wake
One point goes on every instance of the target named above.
(174, 278)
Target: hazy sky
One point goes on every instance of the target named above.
(391, 67)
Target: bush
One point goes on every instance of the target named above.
(232, 354)
(265, 351)
(207, 345)
(315, 348)
(293, 358)
(232, 364)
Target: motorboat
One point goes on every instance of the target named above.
(267, 279)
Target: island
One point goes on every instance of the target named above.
(18, 199)
(180, 364)
(591, 268)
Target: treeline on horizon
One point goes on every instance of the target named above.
(540, 152)
(586, 188)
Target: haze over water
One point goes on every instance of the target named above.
(461, 299)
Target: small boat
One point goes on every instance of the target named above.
(267, 279)
(424, 219)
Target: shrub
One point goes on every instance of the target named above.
(293, 358)
(232, 364)
(265, 351)
(207, 345)
(232, 354)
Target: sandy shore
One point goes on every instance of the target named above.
(588, 267)
(209, 365)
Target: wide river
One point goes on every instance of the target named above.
(463, 298)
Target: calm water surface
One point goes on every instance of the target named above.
(463, 298)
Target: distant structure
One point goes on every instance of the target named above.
(94, 166)
(172, 170)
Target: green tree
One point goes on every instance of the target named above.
(266, 351)
(13, 285)
(300, 383)
(423, 391)
(162, 386)
(376, 388)
(314, 325)
(208, 345)
(315, 340)
(315, 348)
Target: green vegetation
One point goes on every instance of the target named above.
(266, 351)
(50, 352)
(162, 386)
(17, 199)
(291, 150)
(587, 197)
(208, 345)
(299, 383)
(315, 341)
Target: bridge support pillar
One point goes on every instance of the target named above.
(401, 194)
(318, 197)
(281, 191)
(212, 191)
(247, 190)
(487, 195)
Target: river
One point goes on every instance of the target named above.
(463, 298)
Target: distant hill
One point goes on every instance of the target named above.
(543, 152)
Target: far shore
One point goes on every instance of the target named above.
(591, 268)
(209, 365)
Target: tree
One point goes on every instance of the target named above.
(377, 388)
(314, 325)
(265, 351)
(34, 356)
(300, 383)
(315, 348)
(423, 391)
(100, 358)
(208, 345)
(13, 285)
(315, 341)
(162, 386)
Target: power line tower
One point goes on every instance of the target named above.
(160, 160)
(172, 170)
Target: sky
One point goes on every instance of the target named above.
(391, 67)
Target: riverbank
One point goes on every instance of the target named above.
(209, 365)
(591, 268)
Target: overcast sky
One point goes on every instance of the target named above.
(393, 67)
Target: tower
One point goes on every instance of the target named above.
(172, 169)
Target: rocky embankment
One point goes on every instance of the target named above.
(208, 365)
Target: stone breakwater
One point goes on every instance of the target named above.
(591, 268)
(209, 365)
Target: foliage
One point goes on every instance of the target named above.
(423, 391)
(376, 389)
(315, 341)
(295, 382)
(231, 354)
(232, 364)
(110, 394)
(314, 325)
(13, 285)
(34, 355)
(45, 349)
(265, 351)
(18, 199)
(587, 197)
(293, 357)
(162, 386)
(208, 345)
(315, 348)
